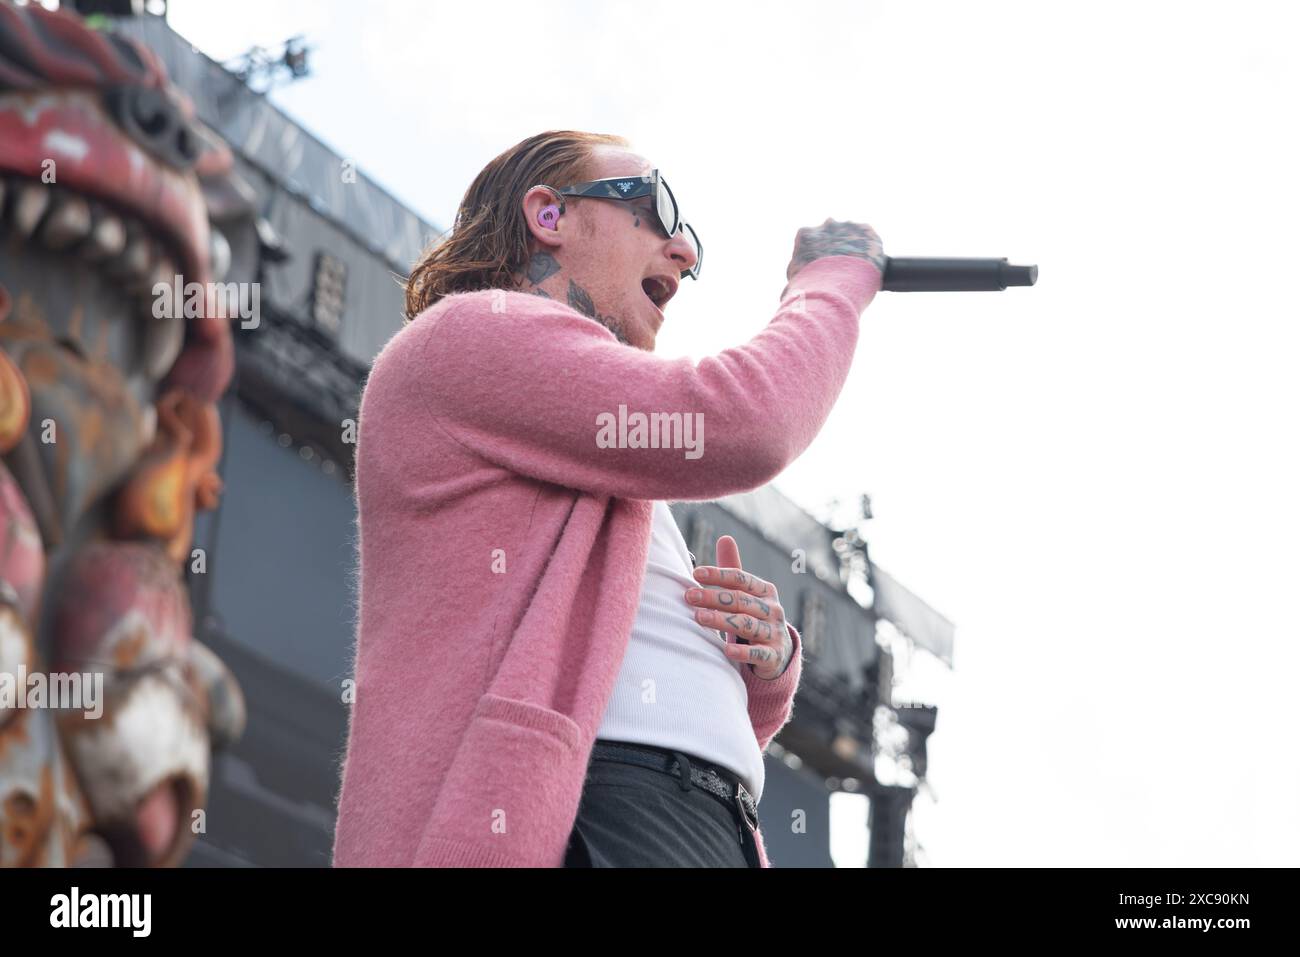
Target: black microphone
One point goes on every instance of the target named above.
(955, 275)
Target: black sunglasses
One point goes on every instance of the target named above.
(634, 187)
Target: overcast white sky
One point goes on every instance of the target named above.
(1095, 478)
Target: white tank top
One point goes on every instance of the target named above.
(676, 689)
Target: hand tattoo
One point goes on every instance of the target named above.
(837, 239)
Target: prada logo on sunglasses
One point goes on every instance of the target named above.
(625, 186)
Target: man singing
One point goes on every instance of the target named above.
(542, 679)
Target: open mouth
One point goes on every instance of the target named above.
(134, 220)
(658, 289)
(121, 210)
(129, 250)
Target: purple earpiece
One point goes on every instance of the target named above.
(548, 216)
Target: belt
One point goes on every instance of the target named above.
(717, 781)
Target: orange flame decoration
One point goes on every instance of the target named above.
(175, 477)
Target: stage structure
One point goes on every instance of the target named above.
(190, 529)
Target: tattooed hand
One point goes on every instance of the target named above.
(747, 607)
(834, 238)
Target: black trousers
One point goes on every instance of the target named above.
(633, 816)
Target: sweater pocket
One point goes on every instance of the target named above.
(511, 794)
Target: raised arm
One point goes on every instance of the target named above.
(532, 386)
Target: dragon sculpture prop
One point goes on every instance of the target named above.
(110, 438)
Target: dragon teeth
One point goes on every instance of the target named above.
(126, 250)
(133, 263)
(107, 239)
(68, 222)
(30, 204)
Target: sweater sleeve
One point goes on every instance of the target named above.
(533, 386)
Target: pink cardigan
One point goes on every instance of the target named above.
(502, 551)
